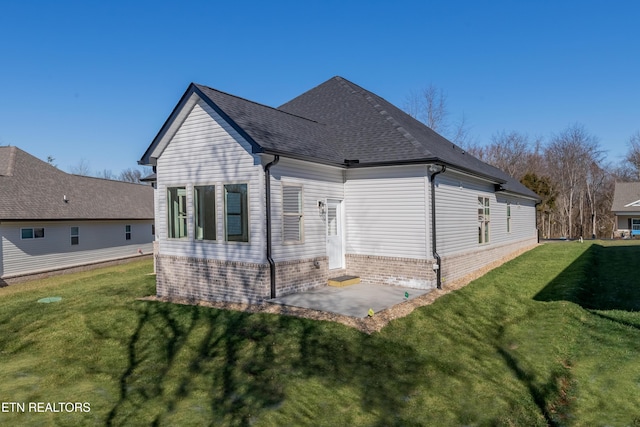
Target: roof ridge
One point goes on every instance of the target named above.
(369, 97)
(256, 103)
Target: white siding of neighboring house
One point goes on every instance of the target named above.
(98, 241)
(457, 214)
(207, 151)
(318, 182)
(387, 212)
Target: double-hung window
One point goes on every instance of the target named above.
(236, 213)
(508, 217)
(75, 235)
(176, 212)
(127, 232)
(204, 206)
(292, 215)
(484, 216)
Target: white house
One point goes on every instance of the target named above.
(626, 207)
(254, 202)
(52, 220)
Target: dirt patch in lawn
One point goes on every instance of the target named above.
(367, 325)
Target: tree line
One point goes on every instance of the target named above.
(568, 170)
(127, 175)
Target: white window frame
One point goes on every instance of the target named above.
(509, 217)
(484, 220)
(34, 235)
(173, 219)
(196, 213)
(299, 214)
(244, 210)
(75, 234)
(127, 232)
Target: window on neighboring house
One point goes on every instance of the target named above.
(176, 212)
(292, 215)
(75, 235)
(484, 216)
(204, 199)
(236, 214)
(127, 232)
(32, 233)
(508, 217)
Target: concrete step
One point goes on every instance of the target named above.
(341, 281)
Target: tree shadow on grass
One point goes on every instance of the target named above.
(228, 367)
(602, 278)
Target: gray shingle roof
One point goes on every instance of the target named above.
(31, 189)
(338, 121)
(626, 193)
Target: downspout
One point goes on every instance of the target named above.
(267, 187)
(433, 227)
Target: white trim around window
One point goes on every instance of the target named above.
(28, 233)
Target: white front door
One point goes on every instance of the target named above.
(334, 234)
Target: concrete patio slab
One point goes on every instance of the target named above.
(354, 300)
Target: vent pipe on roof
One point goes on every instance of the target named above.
(435, 169)
(267, 188)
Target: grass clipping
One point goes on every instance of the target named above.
(367, 325)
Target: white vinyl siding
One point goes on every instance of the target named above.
(205, 150)
(387, 212)
(98, 241)
(318, 183)
(457, 214)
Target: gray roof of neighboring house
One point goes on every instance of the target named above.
(624, 194)
(31, 189)
(339, 121)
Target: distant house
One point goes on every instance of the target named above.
(255, 202)
(52, 220)
(626, 207)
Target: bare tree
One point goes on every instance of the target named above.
(82, 168)
(130, 175)
(106, 174)
(569, 154)
(633, 155)
(430, 107)
(508, 151)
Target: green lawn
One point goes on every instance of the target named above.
(550, 338)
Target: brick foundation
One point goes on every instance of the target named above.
(214, 280)
(459, 265)
(408, 272)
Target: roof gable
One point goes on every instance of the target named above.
(36, 190)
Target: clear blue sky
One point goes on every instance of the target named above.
(96, 80)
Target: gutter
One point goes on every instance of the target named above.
(267, 187)
(438, 266)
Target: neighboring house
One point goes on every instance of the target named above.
(255, 202)
(51, 220)
(626, 207)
